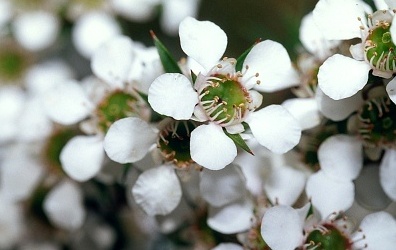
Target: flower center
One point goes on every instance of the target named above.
(115, 106)
(225, 100)
(379, 48)
(376, 124)
(174, 142)
(327, 237)
(12, 64)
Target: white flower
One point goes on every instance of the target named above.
(340, 76)
(70, 102)
(285, 228)
(209, 99)
(11, 222)
(331, 189)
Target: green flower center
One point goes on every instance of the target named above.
(225, 100)
(115, 106)
(327, 238)
(12, 64)
(379, 48)
(174, 142)
(376, 122)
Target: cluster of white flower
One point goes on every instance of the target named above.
(147, 145)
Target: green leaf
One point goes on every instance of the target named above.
(241, 58)
(237, 139)
(168, 62)
(193, 77)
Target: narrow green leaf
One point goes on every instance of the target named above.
(241, 58)
(193, 77)
(168, 62)
(237, 139)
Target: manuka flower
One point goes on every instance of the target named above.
(341, 76)
(223, 97)
(376, 231)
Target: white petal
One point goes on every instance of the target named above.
(388, 173)
(391, 89)
(357, 51)
(113, 60)
(13, 100)
(275, 128)
(381, 4)
(173, 95)
(393, 30)
(228, 246)
(64, 206)
(279, 188)
(157, 190)
(391, 4)
(220, 187)
(129, 140)
(341, 157)
(82, 157)
(204, 41)
(42, 77)
(92, 30)
(305, 110)
(20, 175)
(329, 196)
(67, 103)
(271, 60)
(211, 148)
(338, 19)
(281, 228)
(338, 110)
(312, 38)
(174, 11)
(11, 223)
(368, 189)
(34, 123)
(36, 30)
(257, 99)
(241, 213)
(340, 76)
(135, 10)
(379, 230)
(235, 129)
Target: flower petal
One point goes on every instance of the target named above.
(341, 157)
(275, 128)
(281, 221)
(211, 148)
(340, 76)
(222, 186)
(272, 63)
(391, 90)
(82, 157)
(329, 196)
(174, 11)
(278, 187)
(67, 103)
(113, 60)
(36, 30)
(305, 110)
(312, 38)
(228, 246)
(337, 110)
(377, 231)
(369, 193)
(64, 206)
(157, 190)
(241, 213)
(388, 173)
(338, 19)
(173, 95)
(93, 29)
(204, 41)
(129, 140)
